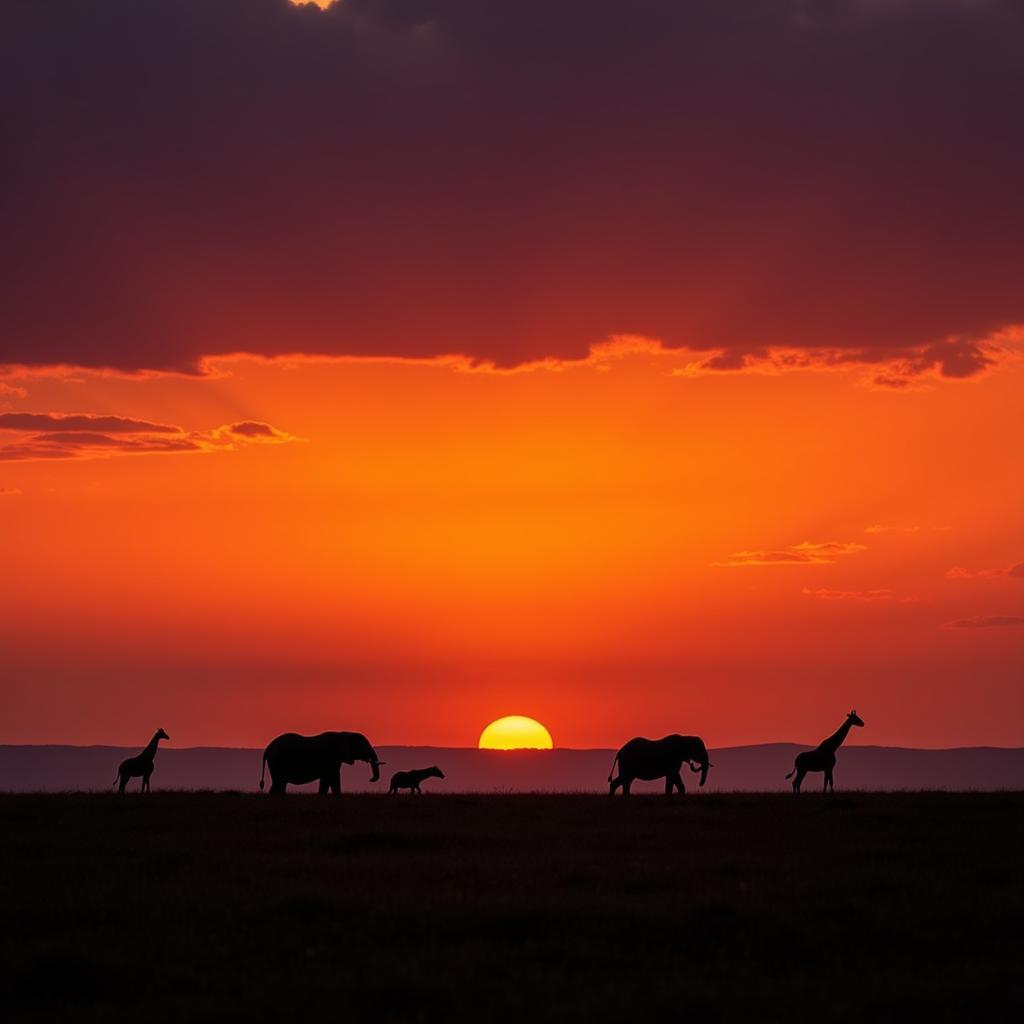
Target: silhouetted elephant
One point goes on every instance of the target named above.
(411, 779)
(648, 759)
(299, 759)
(141, 764)
(823, 757)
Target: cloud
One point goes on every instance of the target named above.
(1012, 572)
(254, 429)
(849, 595)
(9, 492)
(512, 184)
(899, 368)
(880, 528)
(47, 436)
(807, 553)
(985, 622)
(75, 422)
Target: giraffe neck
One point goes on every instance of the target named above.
(150, 752)
(836, 739)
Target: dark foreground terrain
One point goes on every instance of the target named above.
(224, 906)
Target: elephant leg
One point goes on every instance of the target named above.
(278, 788)
(678, 781)
(123, 783)
(335, 786)
(615, 783)
(324, 786)
(626, 783)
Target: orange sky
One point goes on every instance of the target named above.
(435, 548)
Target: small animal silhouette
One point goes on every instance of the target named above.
(141, 764)
(411, 780)
(642, 758)
(823, 757)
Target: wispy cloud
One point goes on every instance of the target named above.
(1015, 572)
(806, 553)
(55, 436)
(879, 528)
(9, 492)
(985, 622)
(825, 594)
(46, 421)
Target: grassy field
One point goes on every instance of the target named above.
(733, 907)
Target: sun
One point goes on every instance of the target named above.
(515, 732)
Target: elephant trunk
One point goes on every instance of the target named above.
(701, 766)
(375, 764)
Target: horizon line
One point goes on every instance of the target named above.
(531, 750)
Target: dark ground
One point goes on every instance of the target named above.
(198, 906)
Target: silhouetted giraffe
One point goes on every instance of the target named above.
(823, 757)
(141, 764)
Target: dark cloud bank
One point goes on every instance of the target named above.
(511, 181)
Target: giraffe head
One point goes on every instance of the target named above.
(161, 735)
(854, 719)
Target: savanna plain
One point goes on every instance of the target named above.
(202, 906)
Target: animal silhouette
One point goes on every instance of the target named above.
(295, 759)
(411, 780)
(642, 758)
(823, 757)
(141, 764)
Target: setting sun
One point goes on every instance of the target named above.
(515, 732)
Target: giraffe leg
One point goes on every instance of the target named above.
(829, 783)
(799, 778)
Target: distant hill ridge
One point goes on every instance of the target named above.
(761, 767)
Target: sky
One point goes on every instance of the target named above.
(638, 367)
